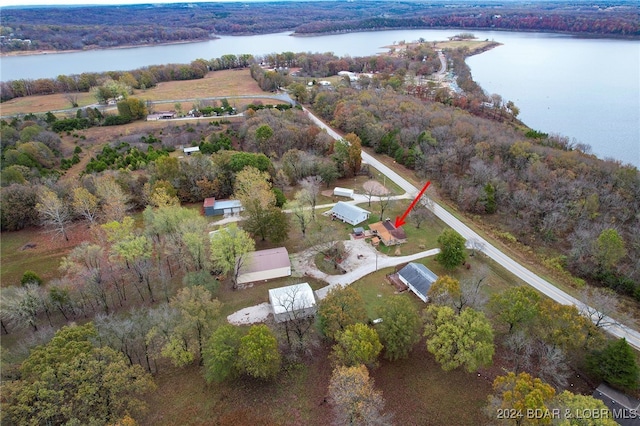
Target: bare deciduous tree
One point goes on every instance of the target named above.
(21, 306)
(531, 355)
(53, 211)
(372, 189)
(113, 199)
(551, 363)
(333, 251)
(475, 245)
(297, 306)
(312, 186)
(599, 304)
(384, 203)
(72, 98)
(85, 204)
(303, 213)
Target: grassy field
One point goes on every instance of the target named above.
(215, 83)
(43, 257)
(43, 103)
(472, 45)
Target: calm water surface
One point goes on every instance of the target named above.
(588, 90)
(585, 89)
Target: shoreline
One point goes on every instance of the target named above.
(471, 29)
(315, 34)
(133, 46)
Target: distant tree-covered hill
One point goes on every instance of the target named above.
(88, 27)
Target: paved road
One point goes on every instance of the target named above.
(542, 285)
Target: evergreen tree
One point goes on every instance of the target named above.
(617, 365)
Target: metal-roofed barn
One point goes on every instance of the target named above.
(292, 302)
(418, 278)
(265, 265)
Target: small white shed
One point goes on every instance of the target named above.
(343, 192)
(191, 149)
(292, 302)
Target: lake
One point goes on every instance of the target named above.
(584, 89)
(588, 90)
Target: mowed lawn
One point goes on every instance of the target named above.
(44, 103)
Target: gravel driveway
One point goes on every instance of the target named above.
(360, 261)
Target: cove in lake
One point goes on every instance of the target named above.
(585, 89)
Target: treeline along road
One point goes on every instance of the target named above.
(619, 330)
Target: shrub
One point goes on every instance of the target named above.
(30, 277)
(115, 120)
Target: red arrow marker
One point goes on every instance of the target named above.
(400, 219)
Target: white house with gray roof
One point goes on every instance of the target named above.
(418, 278)
(349, 213)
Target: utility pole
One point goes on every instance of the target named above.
(376, 258)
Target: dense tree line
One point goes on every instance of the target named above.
(106, 26)
(494, 19)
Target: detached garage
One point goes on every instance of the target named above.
(265, 265)
(292, 302)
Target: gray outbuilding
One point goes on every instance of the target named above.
(418, 278)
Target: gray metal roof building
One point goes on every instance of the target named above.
(418, 278)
